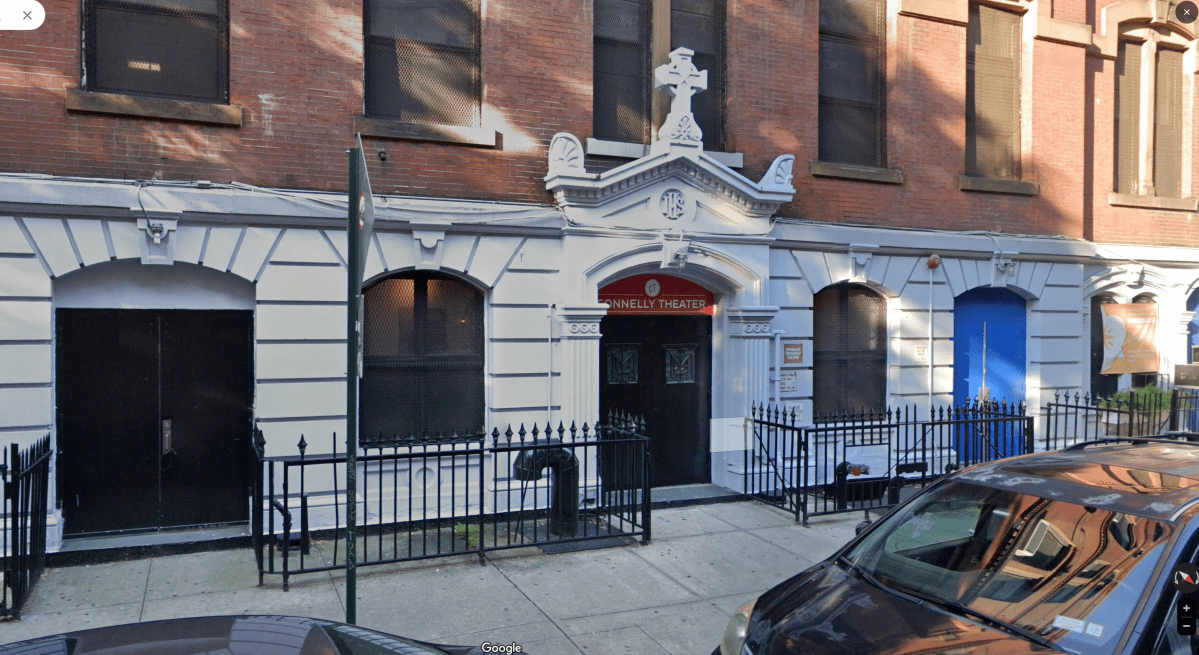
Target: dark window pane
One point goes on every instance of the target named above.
(1167, 149)
(848, 133)
(422, 61)
(848, 71)
(423, 357)
(850, 350)
(620, 109)
(1128, 116)
(993, 93)
(699, 26)
(173, 49)
(862, 18)
(852, 99)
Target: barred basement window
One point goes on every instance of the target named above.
(623, 101)
(175, 49)
(1150, 116)
(422, 358)
(993, 93)
(852, 105)
(422, 61)
(850, 350)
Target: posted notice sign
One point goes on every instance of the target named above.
(1129, 338)
(657, 294)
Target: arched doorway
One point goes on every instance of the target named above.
(422, 358)
(1102, 386)
(989, 346)
(154, 389)
(655, 361)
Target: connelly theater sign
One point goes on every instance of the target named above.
(657, 294)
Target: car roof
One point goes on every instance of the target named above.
(1151, 477)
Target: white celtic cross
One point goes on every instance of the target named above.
(682, 79)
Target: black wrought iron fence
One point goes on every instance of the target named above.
(1184, 409)
(859, 462)
(26, 475)
(1073, 419)
(461, 495)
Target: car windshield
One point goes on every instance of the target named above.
(1069, 572)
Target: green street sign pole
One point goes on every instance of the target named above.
(353, 289)
(360, 223)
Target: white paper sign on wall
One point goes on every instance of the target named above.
(920, 353)
(789, 381)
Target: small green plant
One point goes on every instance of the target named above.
(468, 532)
(1145, 398)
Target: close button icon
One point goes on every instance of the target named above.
(1186, 12)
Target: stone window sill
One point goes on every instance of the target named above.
(855, 172)
(1153, 202)
(130, 105)
(628, 150)
(996, 185)
(385, 128)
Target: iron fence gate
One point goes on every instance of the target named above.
(861, 462)
(460, 495)
(26, 475)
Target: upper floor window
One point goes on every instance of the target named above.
(993, 93)
(175, 49)
(852, 105)
(1149, 113)
(625, 50)
(849, 343)
(422, 61)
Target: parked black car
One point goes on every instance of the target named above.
(1070, 551)
(232, 635)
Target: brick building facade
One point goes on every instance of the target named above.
(1043, 150)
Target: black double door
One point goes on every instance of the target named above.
(659, 367)
(154, 411)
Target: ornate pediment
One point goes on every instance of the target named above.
(676, 187)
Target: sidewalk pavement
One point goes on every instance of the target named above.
(674, 595)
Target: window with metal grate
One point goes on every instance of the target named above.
(422, 358)
(993, 93)
(849, 344)
(1167, 140)
(1128, 116)
(175, 49)
(623, 105)
(621, 100)
(852, 107)
(422, 61)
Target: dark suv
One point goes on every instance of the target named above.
(1071, 551)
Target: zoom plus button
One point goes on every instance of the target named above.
(1186, 12)
(1186, 615)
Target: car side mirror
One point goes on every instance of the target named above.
(859, 528)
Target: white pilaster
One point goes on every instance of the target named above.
(750, 329)
(580, 336)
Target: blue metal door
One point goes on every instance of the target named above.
(988, 363)
(995, 361)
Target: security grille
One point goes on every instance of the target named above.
(699, 26)
(993, 93)
(422, 358)
(1128, 116)
(1167, 148)
(165, 48)
(622, 61)
(850, 354)
(851, 107)
(422, 61)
